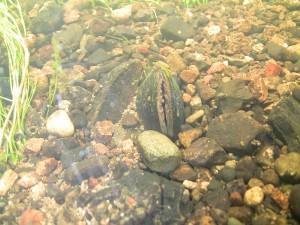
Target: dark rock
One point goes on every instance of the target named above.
(98, 26)
(174, 28)
(227, 174)
(247, 169)
(48, 19)
(285, 120)
(204, 152)
(184, 172)
(33, 122)
(122, 33)
(237, 185)
(242, 213)
(214, 185)
(269, 176)
(154, 193)
(69, 38)
(41, 56)
(218, 199)
(287, 167)
(235, 132)
(78, 119)
(98, 56)
(52, 190)
(294, 201)
(80, 97)
(275, 51)
(56, 147)
(117, 92)
(232, 96)
(74, 155)
(94, 166)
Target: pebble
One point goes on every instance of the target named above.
(254, 196)
(184, 172)
(158, 152)
(195, 102)
(60, 124)
(280, 198)
(7, 181)
(31, 216)
(34, 144)
(103, 131)
(189, 184)
(188, 136)
(255, 182)
(46, 166)
(195, 116)
(29, 179)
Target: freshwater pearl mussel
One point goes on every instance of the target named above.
(159, 102)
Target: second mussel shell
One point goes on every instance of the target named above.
(159, 103)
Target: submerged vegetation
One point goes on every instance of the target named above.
(13, 109)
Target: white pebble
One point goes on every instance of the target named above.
(60, 124)
(254, 196)
(189, 184)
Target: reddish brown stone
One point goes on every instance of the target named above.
(280, 198)
(184, 172)
(272, 69)
(188, 136)
(236, 199)
(46, 166)
(103, 131)
(31, 216)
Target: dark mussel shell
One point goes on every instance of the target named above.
(159, 103)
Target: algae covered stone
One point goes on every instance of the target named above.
(158, 152)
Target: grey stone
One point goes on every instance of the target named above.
(204, 152)
(285, 120)
(117, 92)
(69, 37)
(174, 28)
(94, 166)
(227, 174)
(98, 56)
(235, 132)
(48, 19)
(158, 152)
(287, 167)
(232, 96)
(247, 169)
(240, 213)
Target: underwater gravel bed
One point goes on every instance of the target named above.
(91, 159)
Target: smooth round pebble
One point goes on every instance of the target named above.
(254, 196)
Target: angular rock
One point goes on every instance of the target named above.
(117, 92)
(184, 172)
(235, 132)
(174, 28)
(232, 96)
(98, 56)
(205, 91)
(48, 19)
(158, 152)
(102, 131)
(60, 124)
(95, 166)
(56, 147)
(153, 192)
(28, 180)
(285, 120)
(204, 152)
(287, 167)
(218, 199)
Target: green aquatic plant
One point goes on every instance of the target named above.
(57, 71)
(189, 3)
(13, 109)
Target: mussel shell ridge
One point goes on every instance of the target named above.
(159, 104)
